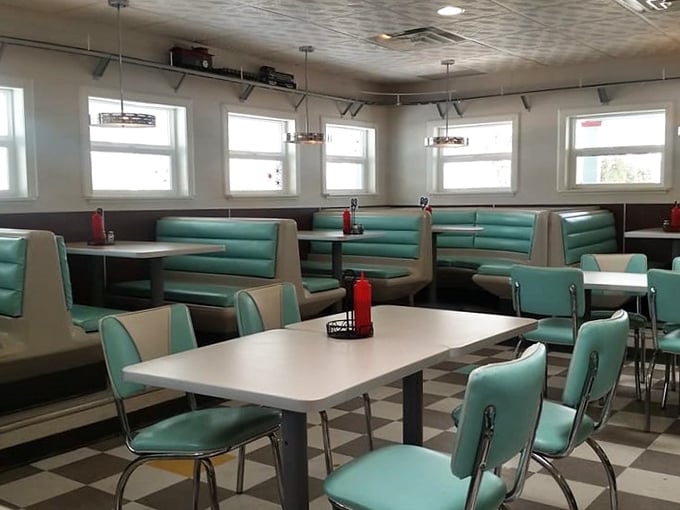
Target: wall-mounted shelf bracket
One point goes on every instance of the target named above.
(343, 108)
(456, 106)
(293, 100)
(100, 68)
(602, 95)
(525, 103)
(179, 82)
(357, 109)
(246, 90)
(441, 109)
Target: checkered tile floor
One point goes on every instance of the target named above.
(647, 464)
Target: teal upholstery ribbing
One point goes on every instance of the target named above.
(12, 274)
(504, 398)
(183, 292)
(370, 271)
(454, 239)
(249, 247)
(663, 289)
(268, 307)
(195, 435)
(593, 375)
(587, 233)
(556, 293)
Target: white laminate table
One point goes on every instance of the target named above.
(445, 229)
(615, 281)
(657, 233)
(151, 250)
(298, 372)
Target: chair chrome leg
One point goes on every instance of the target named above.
(122, 481)
(666, 381)
(557, 476)
(368, 416)
(517, 347)
(328, 454)
(648, 392)
(411, 300)
(636, 361)
(196, 484)
(609, 470)
(212, 484)
(278, 465)
(673, 364)
(241, 469)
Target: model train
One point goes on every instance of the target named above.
(200, 59)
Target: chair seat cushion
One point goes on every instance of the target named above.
(554, 426)
(552, 330)
(370, 271)
(183, 292)
(87, 317)
(217, 428)
(406, 477)
(319, 284)
(473, 261)
(670, 342)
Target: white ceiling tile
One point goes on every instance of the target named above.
(575, 12)
(491, 26)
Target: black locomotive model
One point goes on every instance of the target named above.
(199, 58)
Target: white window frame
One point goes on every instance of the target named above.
(435, 160)
(182, 169)
(23, 182)
(369, 160)
(566, 155)
(289, 158)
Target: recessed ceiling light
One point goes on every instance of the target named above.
(385, 36)
(449, 10)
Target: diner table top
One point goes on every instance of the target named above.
(615, 281)
(141, 249)
(337, 235)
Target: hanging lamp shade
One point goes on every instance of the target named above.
(122, 118)
(445, 141)
(306, 137)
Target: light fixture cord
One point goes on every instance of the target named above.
(448, 103)
(120, 59)
(306, 97)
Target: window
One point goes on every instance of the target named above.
(139, 162)
(486, 165)
(614, 149)
(259, 160)
(349, 158)
(17, 166)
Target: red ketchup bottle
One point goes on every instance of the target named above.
(97, 227)
(362, 306)
(346, 222)
(675, 216)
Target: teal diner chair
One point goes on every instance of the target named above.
(593, 375)
(556, 294)
(604, 303)
(663, 289)
(498, 420)
(275, 306)
(198, 434)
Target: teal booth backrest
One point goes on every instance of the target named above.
(506, 231)
(65, 273)
(12, 273)
(249, 246)
(442, 217)
(588, 233)
(401, 237)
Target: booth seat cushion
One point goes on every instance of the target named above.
(471, 261)
(185, 292)
(319, 284)
(370, 271)
(498, 268)
(87, 317)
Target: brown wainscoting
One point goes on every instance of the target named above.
(131, 226)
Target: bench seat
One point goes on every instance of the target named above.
(472, 262)
(314, 284)
(181, 292)
(369, 270)
(87, 317)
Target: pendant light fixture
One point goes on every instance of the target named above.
(122, 118)
(306, 136)
(444, 141)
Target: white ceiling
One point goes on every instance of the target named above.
(499, 35)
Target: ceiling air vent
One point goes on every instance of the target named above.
(651, 5)
(416, 38)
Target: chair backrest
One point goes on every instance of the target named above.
(551, 291)
(267, 307)
(134, 337)
(594, 370)
(499, 416)
(663, 289)
(618, 262)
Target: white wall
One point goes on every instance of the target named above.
(58, 79)
(538, 130)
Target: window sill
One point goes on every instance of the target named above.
(346, 194)
(626, 189)
(474, 192)
(252, 195)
